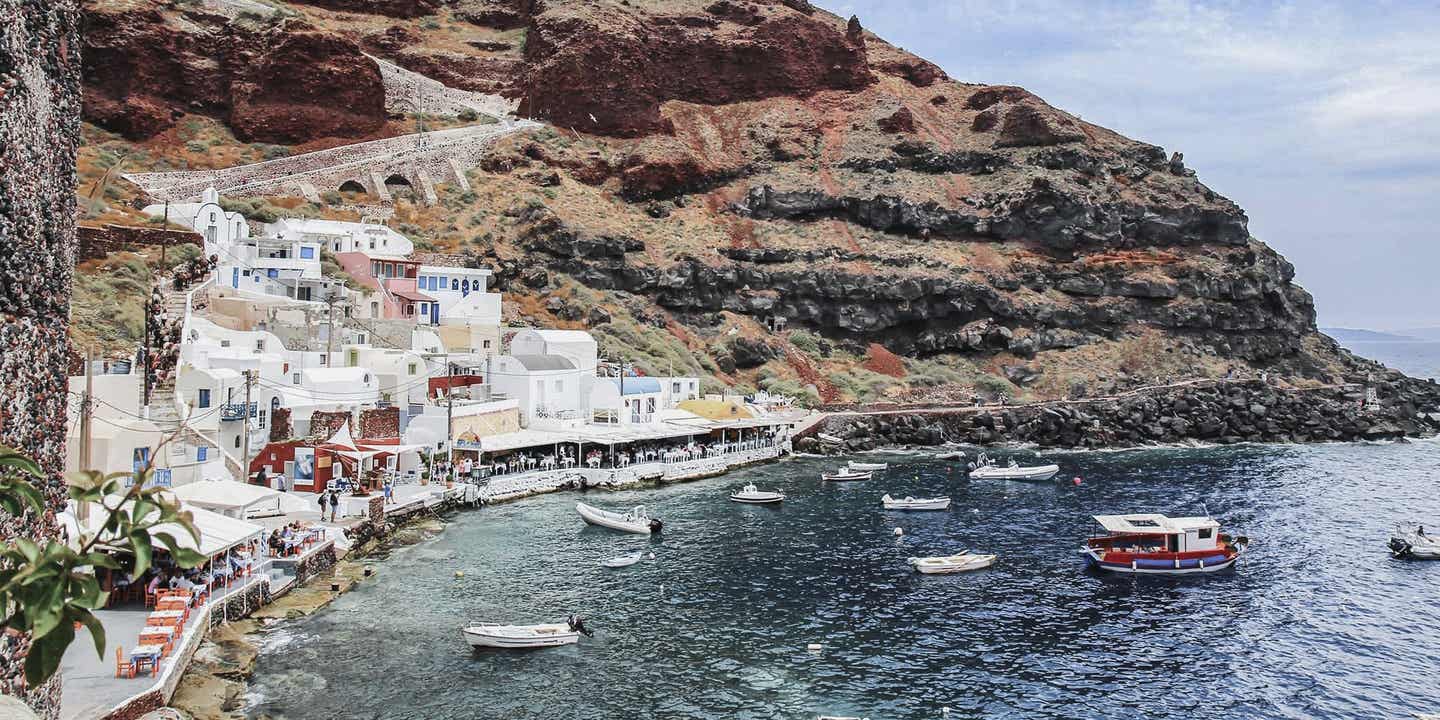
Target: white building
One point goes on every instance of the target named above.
(577, 345)
(219, 228)
(449, 285)
(548, 388)
(342, 237)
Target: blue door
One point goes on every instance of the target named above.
(435, 313)
(235, 278)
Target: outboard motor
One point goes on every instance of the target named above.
(655, 525)
(1399, 548)
(577, 624)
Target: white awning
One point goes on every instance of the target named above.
(342, 438)
(1152, 523)
(523, 439)
(231, 495)
(217, 532)
(396, 449)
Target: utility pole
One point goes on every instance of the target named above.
(85, 409)
(330, 324)
(245, 429)
(449, 414)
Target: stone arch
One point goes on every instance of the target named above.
(397, 179)
(354, 186)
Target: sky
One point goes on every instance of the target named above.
(1321, 119)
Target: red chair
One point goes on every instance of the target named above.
(123, 667)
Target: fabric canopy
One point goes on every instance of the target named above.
(231, 495)
(342, 438)
(396, 449)
(217, 532)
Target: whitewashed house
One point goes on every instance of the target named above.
(549, 388)
(221, 229)
(338, 236)
(577, 345)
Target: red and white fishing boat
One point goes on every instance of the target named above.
(1151, 544)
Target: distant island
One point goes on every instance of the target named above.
(1346, 335)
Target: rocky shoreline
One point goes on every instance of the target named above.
(1208, 411)
(214, 685)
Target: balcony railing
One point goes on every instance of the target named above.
(236, 411)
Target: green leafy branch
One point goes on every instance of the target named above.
(47, 590)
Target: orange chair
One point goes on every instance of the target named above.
(150, 599)
(123, 667)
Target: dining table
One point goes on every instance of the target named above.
(165, 617)
(157, 634)
(171, 602)
(147, 655)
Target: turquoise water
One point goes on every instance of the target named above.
(1317, 621)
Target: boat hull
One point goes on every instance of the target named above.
(480, 638)
(1036, 474)
(596, 516)
(915, 505)
(1163, 566)
(845, 477)
(622, 561)
(952, 566)
(863, 467)
(768, 499)
(1410, 548)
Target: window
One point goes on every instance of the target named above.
(324, 360)
(454, 283)
(486, 345)
(260, 345)
(375, 268)
(675, 388)
(307, 253)
(295, 377)
(210, 234)
(200, 453)
(389, 269)
(650, 405)
(204, 401)
(262, 418)
(237, 442)
(412, 368)
(354, 358)
(365, 378)
(1205, 533)
(272, 272)
(212, 216)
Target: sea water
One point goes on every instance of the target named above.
(1317, 621)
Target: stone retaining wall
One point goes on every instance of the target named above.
(95, 243)
(322, 559)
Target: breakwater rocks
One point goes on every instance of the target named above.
(1218, 412)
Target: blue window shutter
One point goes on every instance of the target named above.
(272, 272)
(307, 253)
(200, 453)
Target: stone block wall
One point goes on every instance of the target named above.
(240, 604)
(380, 423)
(317, 562)
(39, 134)
(97, 242)
(324, 423)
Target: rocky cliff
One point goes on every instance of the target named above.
(767, 194)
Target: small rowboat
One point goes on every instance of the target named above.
(861, 467)
(845, 475)
(754, 496)
(491, 635)
(621, 561)
(946, 564)
(636, 521)
(912, 503)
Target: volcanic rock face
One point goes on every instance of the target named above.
(607, 68)
(144, 66)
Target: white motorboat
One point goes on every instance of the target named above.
(862, 467)
(636, 521)
(621, 561)
(1409, 541)
(492, 635)
(986, 469)
(845, 475)
(946, 564)
(755, 496)
(913, 503)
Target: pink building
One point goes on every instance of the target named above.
(393, 280)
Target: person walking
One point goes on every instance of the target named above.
(334, 504)
(389, 490)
